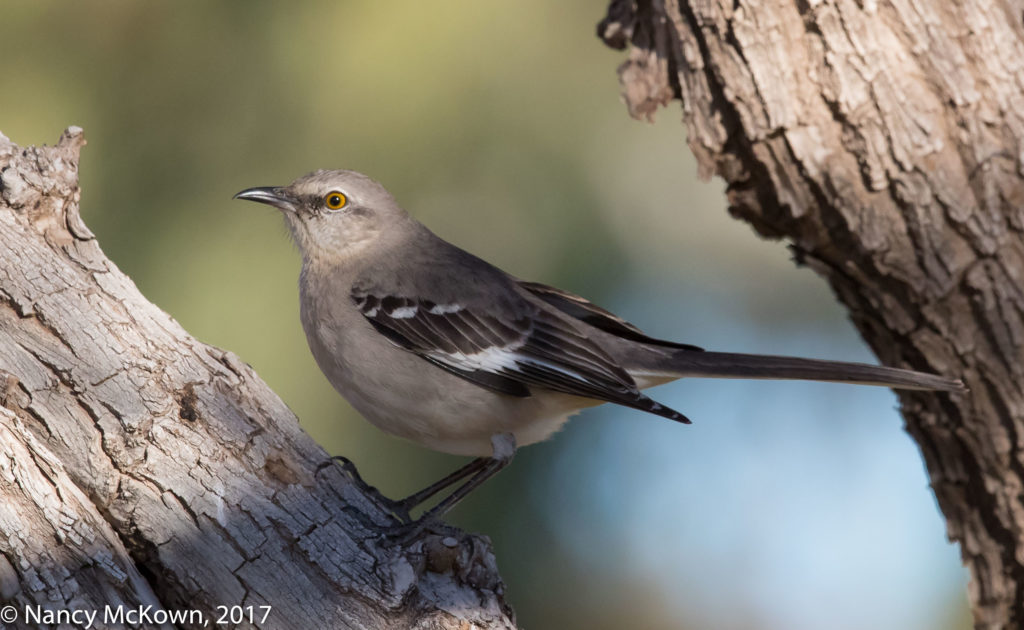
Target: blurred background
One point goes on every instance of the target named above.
(785, 506)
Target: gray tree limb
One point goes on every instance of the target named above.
(140, 467)
(885, 141)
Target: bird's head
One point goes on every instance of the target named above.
(332, 214)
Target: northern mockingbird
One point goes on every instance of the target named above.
(435, 345)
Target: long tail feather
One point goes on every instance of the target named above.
(685, 363)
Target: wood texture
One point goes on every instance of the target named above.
(883, 140)
(141, 466)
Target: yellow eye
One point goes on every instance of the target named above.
(334, 200)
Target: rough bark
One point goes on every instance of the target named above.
(142, 467)
(883, 140)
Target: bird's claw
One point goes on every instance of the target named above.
(397, 509)
(405, 533)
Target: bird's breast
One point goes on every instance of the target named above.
(404, 395)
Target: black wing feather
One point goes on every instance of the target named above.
(586, 311)
(528, 348)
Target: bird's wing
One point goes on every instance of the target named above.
(508, 348)
(590, 313)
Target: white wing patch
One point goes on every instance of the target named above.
(444, 309)
(572, 374)
(404, 312)
(493, 359)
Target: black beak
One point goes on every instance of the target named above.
(270, 195)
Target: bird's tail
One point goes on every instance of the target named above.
(688, 363)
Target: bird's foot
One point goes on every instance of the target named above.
(397, 509)
(405, 533)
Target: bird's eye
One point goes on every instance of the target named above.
(334, 200)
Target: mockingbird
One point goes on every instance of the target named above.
(435, 345)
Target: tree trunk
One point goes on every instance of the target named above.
(884, 141)
(141, 467)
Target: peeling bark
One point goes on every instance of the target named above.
(140, 466)
(883, 140)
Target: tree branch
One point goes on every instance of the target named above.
(166, 471)
(883, 140)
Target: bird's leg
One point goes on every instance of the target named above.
(407, 504)
(478, 471)
(504, 445)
